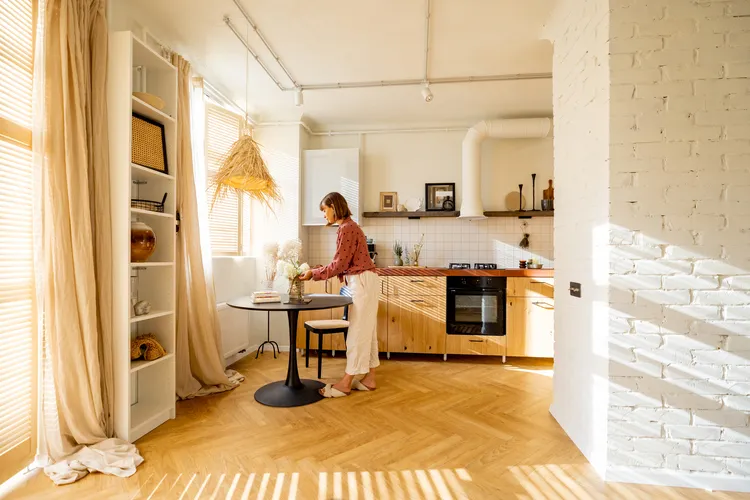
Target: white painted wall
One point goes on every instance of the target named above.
(581, 141)
(404, 162)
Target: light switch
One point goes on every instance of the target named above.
(575, 289)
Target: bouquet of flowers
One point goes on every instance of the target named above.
(289, 266)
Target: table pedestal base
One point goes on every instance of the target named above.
(281, 395)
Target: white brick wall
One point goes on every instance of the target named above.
(581, 94)
(680, 182)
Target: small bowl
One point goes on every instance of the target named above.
(534, 266)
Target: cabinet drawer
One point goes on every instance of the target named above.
(531, 287)
(416, 285)
(416, 324)
(476, 344)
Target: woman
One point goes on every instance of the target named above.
(352, 263)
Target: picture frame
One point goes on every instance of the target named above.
(149, 144)
(388, 201)
(438, 195)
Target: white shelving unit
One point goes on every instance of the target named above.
(144, 390)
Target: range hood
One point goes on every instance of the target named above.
(471, 156)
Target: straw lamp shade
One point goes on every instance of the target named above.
(244, 171)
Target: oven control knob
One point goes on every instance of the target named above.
(463, 281)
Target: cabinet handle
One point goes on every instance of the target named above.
(417, 281)
(480, 341)
(417, 301)
(544, 305)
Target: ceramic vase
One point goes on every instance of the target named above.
(142, 241)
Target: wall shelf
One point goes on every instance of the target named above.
(136, 265)
(140, 211)
(147, 174)
(411, 215)
(522, 214)
(147, 110)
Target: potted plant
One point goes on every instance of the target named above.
(290, 267)
(417, 250)
(398, 251)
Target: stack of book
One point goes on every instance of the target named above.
(265, 296)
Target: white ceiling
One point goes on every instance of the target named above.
(328, 41)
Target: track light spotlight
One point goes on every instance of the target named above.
(427, 93)
(299, 99)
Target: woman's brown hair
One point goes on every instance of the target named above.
(339, 204)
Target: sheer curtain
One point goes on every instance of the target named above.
(74, 245)
(200, 365)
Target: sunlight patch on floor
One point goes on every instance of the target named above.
(435, 484)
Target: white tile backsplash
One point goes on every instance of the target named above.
(493, 240)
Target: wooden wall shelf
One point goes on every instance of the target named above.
(412, 215)
(524, 214)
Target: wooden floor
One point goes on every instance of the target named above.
(466, 428)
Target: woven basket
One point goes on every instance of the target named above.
(149, 147)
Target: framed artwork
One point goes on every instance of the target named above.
(388, 202)
(440, 196)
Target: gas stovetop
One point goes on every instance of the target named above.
(477, 265)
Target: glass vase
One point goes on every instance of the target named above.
(296, 291)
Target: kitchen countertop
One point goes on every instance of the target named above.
(443, 271)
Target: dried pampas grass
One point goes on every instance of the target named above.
(244, 171)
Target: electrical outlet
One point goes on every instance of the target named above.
(575, 289)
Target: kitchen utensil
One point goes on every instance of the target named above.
(534, 266)
(513, 199)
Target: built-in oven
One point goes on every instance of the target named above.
(475, 305)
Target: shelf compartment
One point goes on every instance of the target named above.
(147, 110)
(140, 364)
(139, 265)
(153, 315)
(140, 173)
(140, 211)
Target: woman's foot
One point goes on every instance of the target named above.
(344, 385)
(329, 391)
(369, 381)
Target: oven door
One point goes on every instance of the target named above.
(475, 312)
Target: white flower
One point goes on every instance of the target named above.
(291, 250)
(304, 268)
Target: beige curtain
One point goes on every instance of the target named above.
(76, 225)
(73, 241)
(200, 367)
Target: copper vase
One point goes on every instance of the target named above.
(142, 241)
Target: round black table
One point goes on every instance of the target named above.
(292, 391)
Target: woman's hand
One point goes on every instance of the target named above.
(306, 276)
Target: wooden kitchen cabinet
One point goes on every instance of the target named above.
(531, 287)
(476, 344)
(531, 326)
(416, 285)
(336, 342)
(416, 323)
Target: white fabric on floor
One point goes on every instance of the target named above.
(111, 456)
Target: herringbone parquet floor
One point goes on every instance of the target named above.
(468, 428)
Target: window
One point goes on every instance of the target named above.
(229, 217)
(17, 296)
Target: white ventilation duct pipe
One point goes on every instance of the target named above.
(471, 154)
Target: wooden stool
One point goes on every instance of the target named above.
(323, 327)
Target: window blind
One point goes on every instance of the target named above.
(17, 308)
(225, 216)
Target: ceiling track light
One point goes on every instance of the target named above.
(427, 93)
(299, 99)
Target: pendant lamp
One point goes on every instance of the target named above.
(243, 169)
